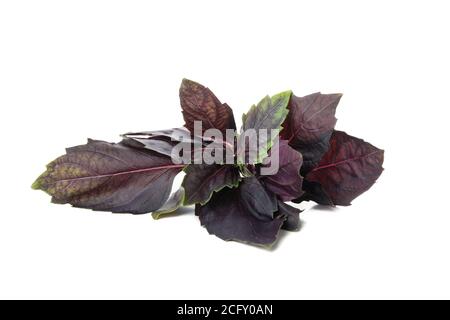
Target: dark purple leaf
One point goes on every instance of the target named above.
(200, 104)
(349, 168)
(309, 125)
(229, 216)
(257, 200)
(314, 192)
(292, 222)
(286, 183)
(202, 180)
(109, 177)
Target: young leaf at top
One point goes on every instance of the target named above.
(202, 180)
(309, 125)
(268, 115)
(286, 183)
(200, 104)
(349, 168)
(229, 216)
(109, 177)
(174, 202)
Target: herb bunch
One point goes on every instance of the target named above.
(234, 201)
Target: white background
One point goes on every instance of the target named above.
(76, 69)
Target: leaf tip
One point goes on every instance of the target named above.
(285, 95)
(156, 215)
(185, 83)
(36, 184)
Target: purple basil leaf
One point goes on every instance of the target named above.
(202, 180)
(228, 217)
(268, 115)
(314, 192)
(309, 125)
(200, 104)
(257, 200)
(286, 183)
(292, 222)
(349, 168)
(109, 177)
(162, 141)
